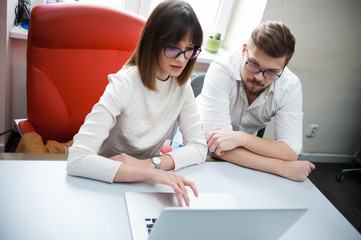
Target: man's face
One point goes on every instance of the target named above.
(256, 83)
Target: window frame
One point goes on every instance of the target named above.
(222, 21)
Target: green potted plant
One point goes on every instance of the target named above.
(213, 43)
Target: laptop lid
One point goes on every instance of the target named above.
(211, 216)
(175, 223)
(142, 206)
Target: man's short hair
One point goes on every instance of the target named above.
(275, 39)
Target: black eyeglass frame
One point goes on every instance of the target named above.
(260, 70)
(196, 52)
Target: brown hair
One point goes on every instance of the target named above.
(169, 23)
(275, 39)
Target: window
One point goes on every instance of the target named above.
(140, 7)
(110, 3)
(214, 15)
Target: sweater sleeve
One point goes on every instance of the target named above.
(195, 147)
(83, 158)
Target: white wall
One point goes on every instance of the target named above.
(6, 22)
(19, 77)
(3, 61)
(328, 62)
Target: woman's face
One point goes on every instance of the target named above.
(173, 66)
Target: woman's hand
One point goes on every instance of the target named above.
(134, 169)
(177, 182)
(125, 158)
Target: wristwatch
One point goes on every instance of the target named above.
(157, 162)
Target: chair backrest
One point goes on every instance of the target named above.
(197, 84)
(71, 50)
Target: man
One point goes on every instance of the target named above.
(244, 92)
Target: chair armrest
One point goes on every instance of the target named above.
(24, 126)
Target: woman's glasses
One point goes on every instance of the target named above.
(174, 52)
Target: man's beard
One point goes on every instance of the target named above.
(254, 92)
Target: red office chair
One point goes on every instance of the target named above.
(71, 50)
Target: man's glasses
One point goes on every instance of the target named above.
(174, 52)
(266, 74)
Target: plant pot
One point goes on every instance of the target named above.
(212, 45)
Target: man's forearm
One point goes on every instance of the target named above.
(221, 140)
(294, 170)
(246, 158)
(268, 148)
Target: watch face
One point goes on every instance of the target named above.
(157, 160)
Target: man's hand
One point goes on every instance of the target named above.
(222, 139)
(297, 170)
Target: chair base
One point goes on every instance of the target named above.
(340, 176)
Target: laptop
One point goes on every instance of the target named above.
(210, 216)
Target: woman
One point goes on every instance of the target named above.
(140, 106)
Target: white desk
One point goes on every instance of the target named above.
(38, 200)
